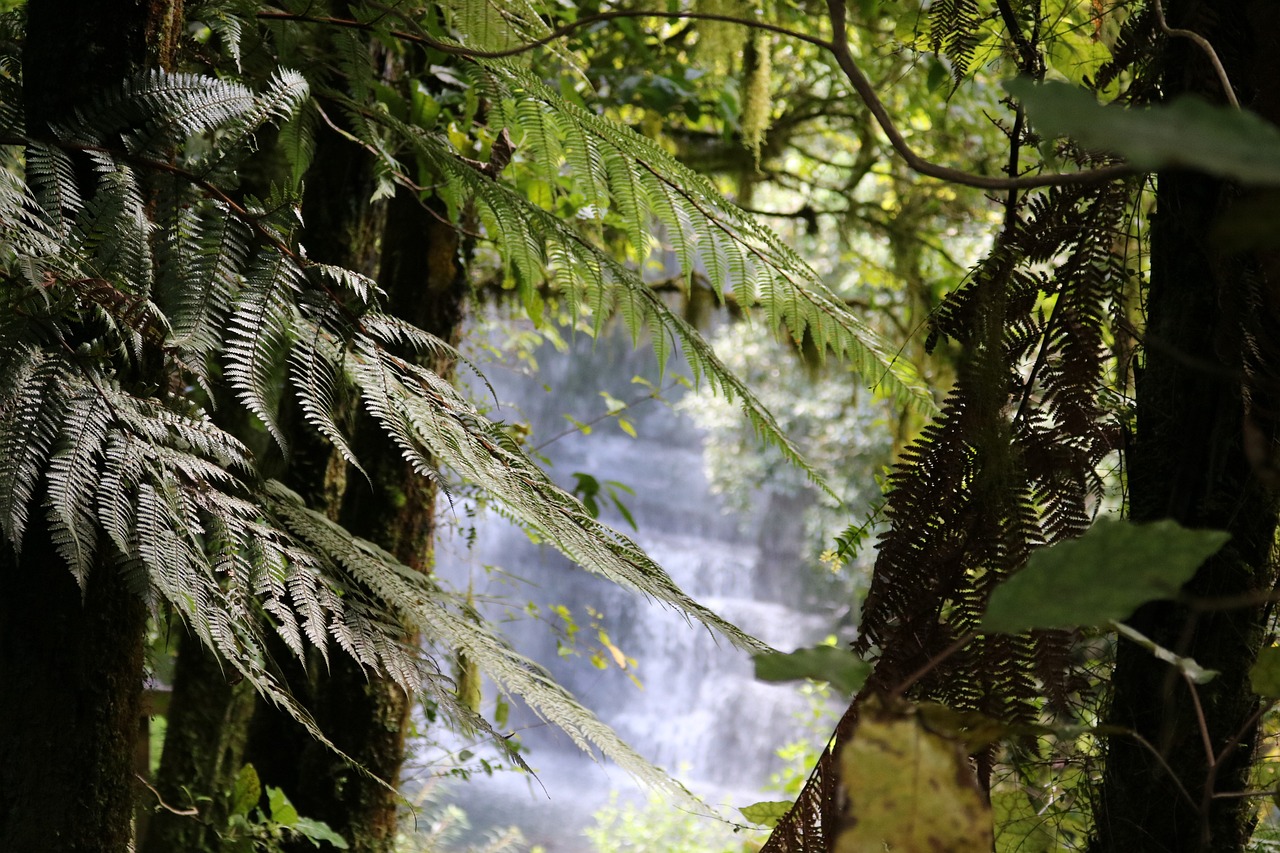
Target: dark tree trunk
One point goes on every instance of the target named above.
(71, 664)
(72, 675)
(1206, 400)
(203, 749)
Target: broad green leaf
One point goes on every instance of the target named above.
(1193, 670)
(766, 813)
(282, 811)
(909, 790)
(318, 830)
(1188, 133)
(844, 670)
(1264, 676)
(1101, 577)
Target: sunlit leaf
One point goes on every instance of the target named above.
(840, 667)
(1264, 676)
(766, 813)
(909, 790)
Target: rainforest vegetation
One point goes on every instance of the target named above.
(1035, 241)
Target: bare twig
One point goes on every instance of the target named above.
(191, 812)
(1202, 43)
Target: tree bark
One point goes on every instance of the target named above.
(1206, 384)
(72, 675)
(72, 663)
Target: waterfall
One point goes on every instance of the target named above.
(700, 714)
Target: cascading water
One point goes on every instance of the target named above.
(701, 714)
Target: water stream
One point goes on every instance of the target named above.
(700, 714)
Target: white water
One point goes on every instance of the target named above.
(700, 713)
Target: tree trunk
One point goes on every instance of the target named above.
(72, 663)
(203, 749)
(72, 675)
(1205, 399)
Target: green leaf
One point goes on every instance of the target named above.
(1264, 676)
(317, 831)
(1193, 670)
(766, 813)
(1101, 577)
(1187, 133)
(844, 670)
(282, 811)
(247, 790)
(909, 790)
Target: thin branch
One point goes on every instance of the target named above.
(1202, 43)
(558, 33)
(1202, 724)
(1146, 744)
(191, 812)
(839, 47)
(958, 644)
(585, 426)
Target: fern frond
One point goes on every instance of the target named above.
(258, 336)
(151, 110)
(286, 91)
(30, 414)
(732, 245)
(201, 262)
(430, 421)
(73, 479)
(52, 181)
(312, 359)
(444, 624)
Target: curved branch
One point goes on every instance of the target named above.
(1202, 43)
(839, 48)
(558, 33)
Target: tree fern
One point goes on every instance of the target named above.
(132, 473)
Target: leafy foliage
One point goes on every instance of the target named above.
(1187, 133)
(136, 276)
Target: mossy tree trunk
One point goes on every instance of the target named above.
(203, 749)
(71, 661)
(1206, 397)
